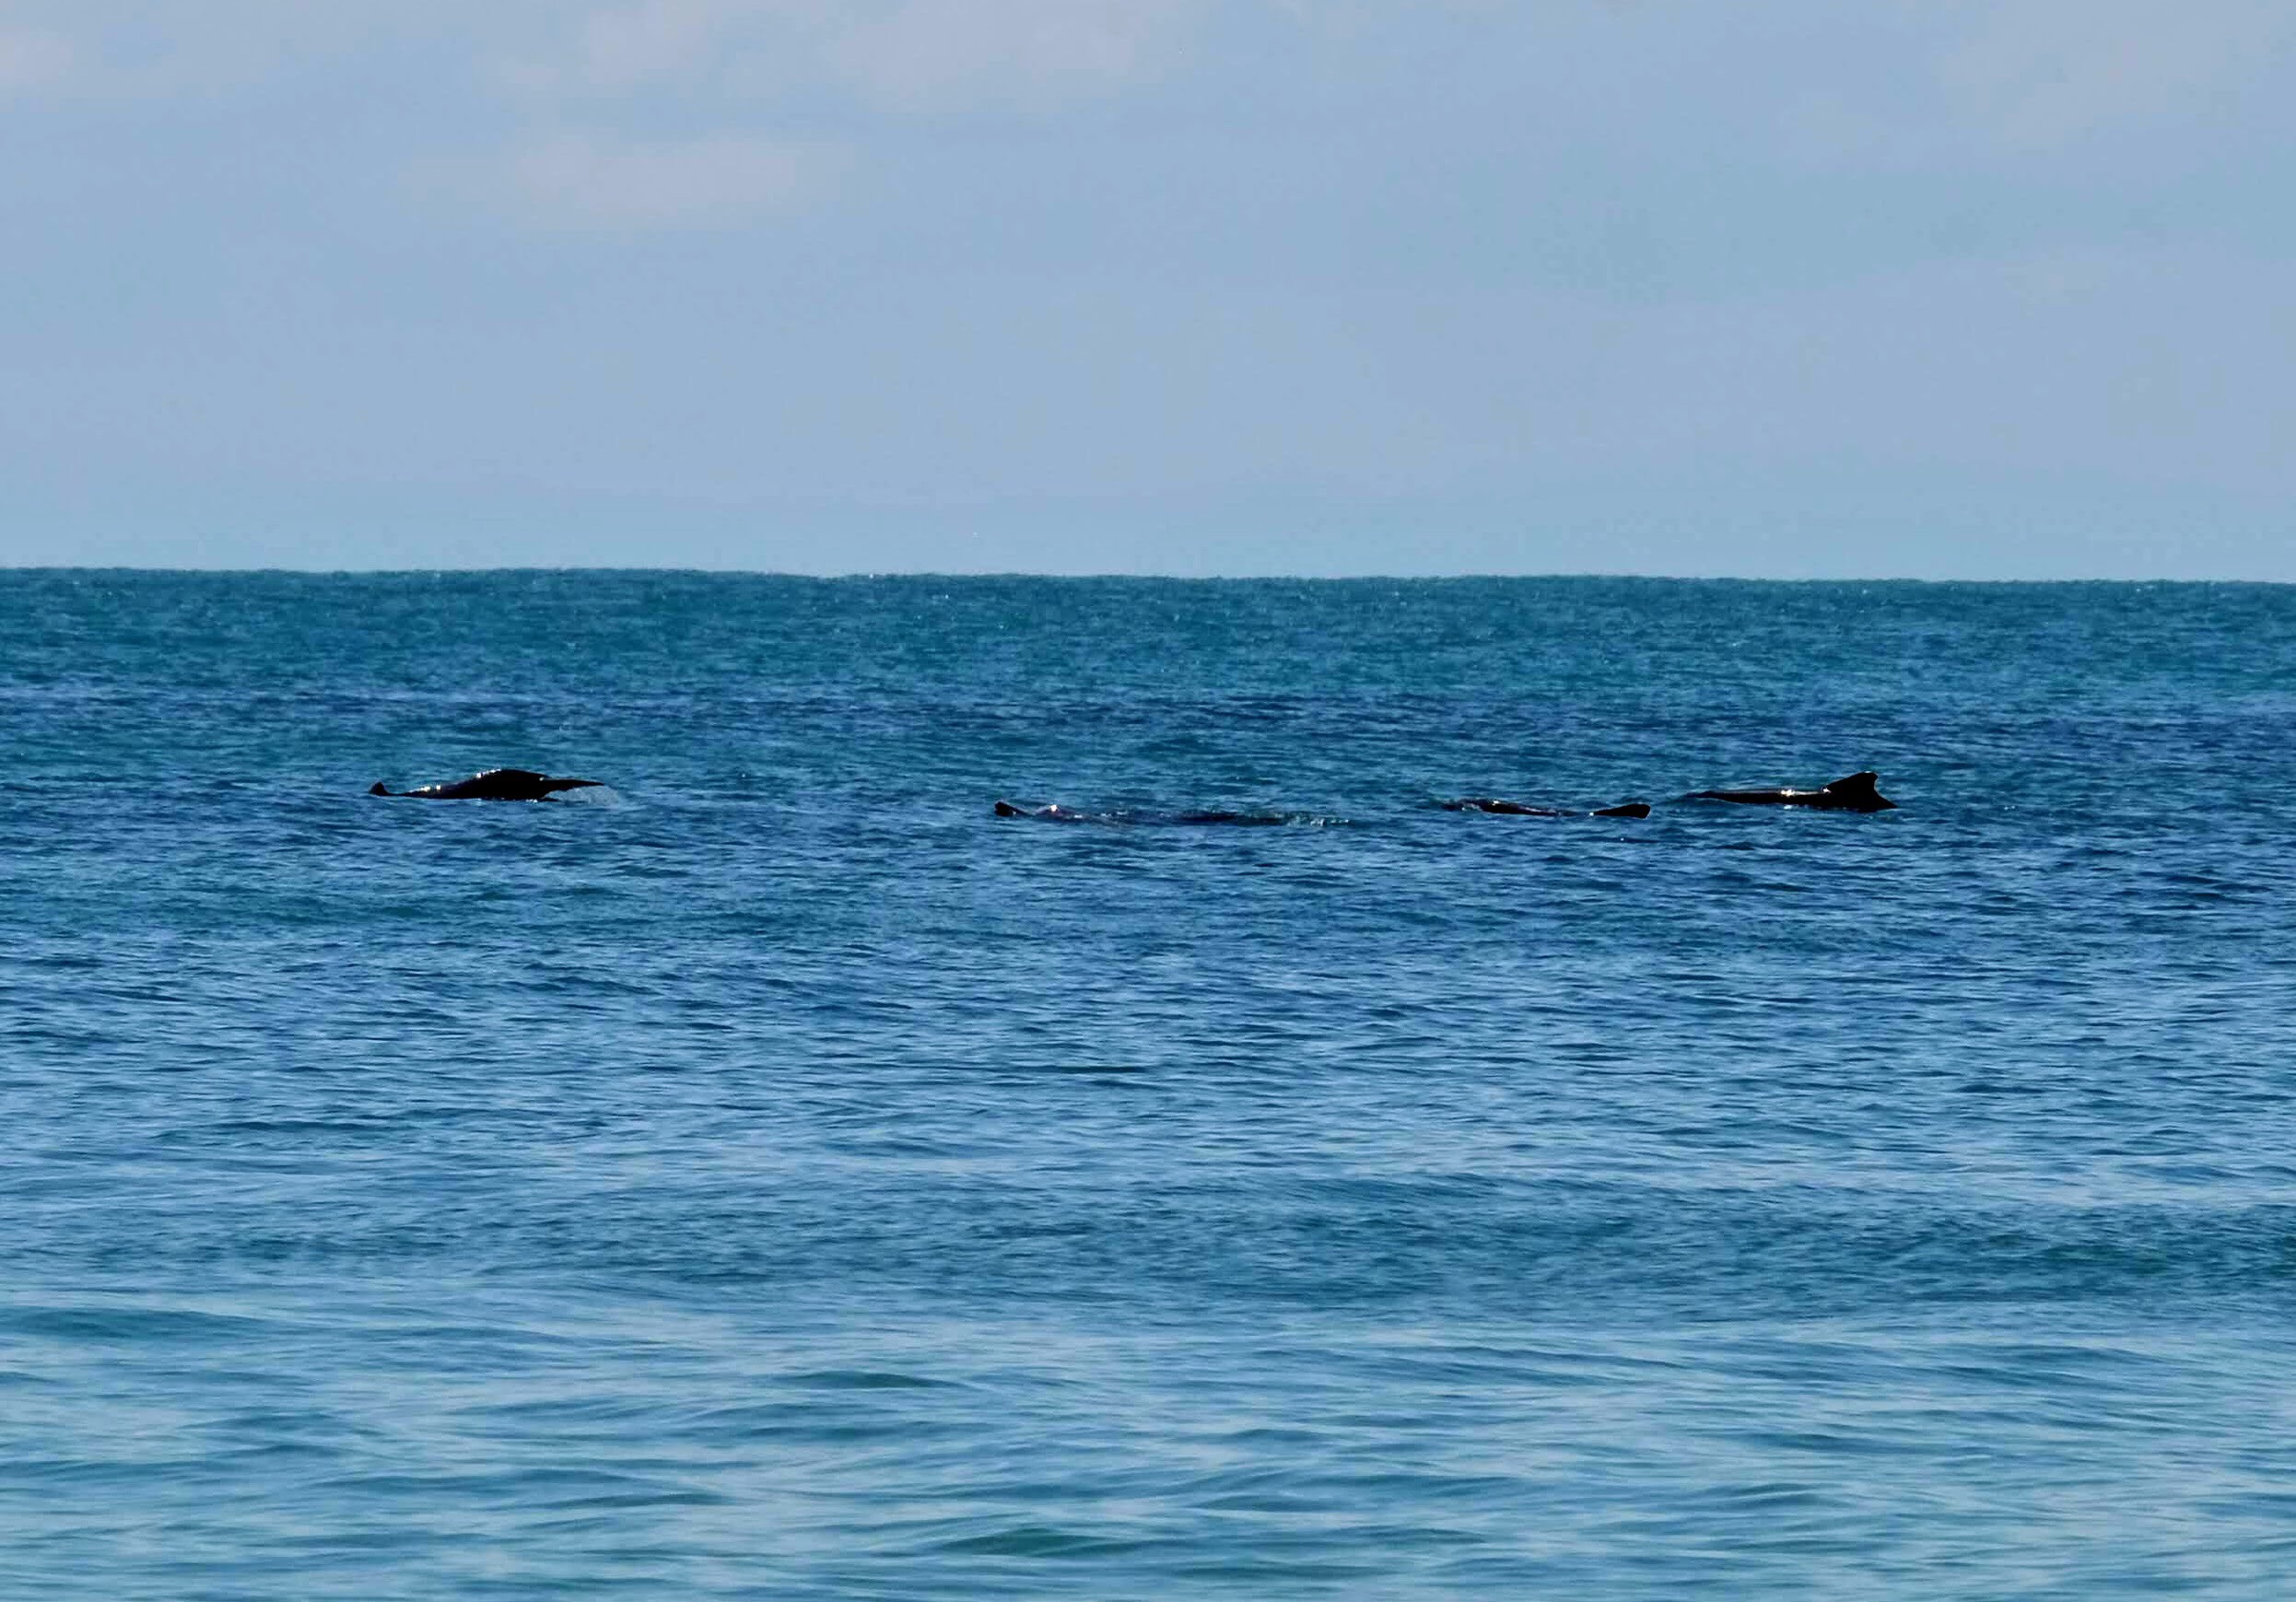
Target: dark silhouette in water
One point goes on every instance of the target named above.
(495, 784)
(1853, 794)
(1484, 803)
(1056, 814)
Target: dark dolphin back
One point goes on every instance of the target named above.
(496, 784)
(1859, 791)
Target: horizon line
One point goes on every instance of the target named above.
(949, 576)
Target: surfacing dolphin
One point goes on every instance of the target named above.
(1853, 794)
(495, 784)
(1484, 803)
(1056, 814)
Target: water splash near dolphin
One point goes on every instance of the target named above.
(1484, 803)
(1199, 818)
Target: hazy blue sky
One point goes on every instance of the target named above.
(1754, 286)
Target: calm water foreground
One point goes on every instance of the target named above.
(775, 1178)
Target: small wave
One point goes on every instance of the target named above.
(1186, 818)
(863, 1379)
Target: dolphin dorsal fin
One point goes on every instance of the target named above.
(1855, 784)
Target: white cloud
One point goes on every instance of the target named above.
(740, 63)
(149, 52)
(929, 53)
(31, 61)
(909, 54)
(626, 46)
(2041, 72)
(720, 180)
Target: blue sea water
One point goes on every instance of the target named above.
(773, 1176)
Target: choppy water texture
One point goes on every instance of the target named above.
(778, 1178)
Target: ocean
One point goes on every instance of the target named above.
(770, 1174)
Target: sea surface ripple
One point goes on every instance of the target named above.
(775, 1176)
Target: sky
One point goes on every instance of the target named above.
(1777, 288)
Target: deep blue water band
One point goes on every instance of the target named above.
(776, 1176)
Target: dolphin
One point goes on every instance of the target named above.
(495, 784)
(1056, 814)
(1484, 803)
(1853, 794)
